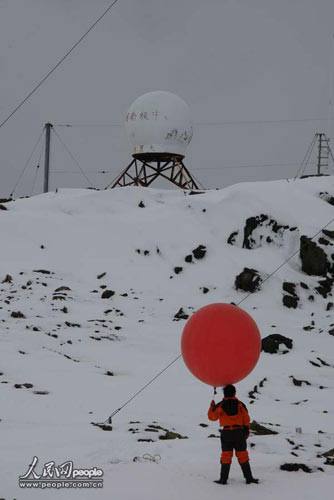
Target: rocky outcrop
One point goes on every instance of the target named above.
(107, 294)
(260, 430)
(329, 234)
(289, 288)
(290, 302)
(295, 467)
(325, 287)
(327, 197)
(251, 224)
(314, 258)
(7, 279)
(271, 343)
(290, 298)
(17, 315)
(180, 315)
(199, 252)
(249, 280)
(258, 229)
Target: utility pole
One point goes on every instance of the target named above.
(48, 128)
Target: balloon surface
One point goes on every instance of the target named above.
(220, 344)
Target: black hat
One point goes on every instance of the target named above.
(229, 391)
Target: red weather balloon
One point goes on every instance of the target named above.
(220, 344)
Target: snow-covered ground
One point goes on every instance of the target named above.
(69, 340)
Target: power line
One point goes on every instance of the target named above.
(266, 165)
(58, 64)
(108, 420)
(27, 163)
(37, 167)
(306, 158)
(217, 123)
(90, 184)
(261, 165)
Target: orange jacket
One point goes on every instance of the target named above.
(235, 414)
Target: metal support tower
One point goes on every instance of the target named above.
(323, 153)
(48, 128)
(146, 168)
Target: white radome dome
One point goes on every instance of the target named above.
(159, 122)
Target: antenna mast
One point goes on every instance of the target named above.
(48, 128)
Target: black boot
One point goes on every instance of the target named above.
(224, 472)
(245, 467)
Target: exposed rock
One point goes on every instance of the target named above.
(295, 467)
(100, 276)
(17, 314)
(232, 238)
(104, 427)
(290, 301)
(188, 258)
(204, 289)
(252, 240)
(329, 306)
(8, 279)
(249, 280)
(63, 289)
(143, 252)
(260, 430)
(254, 391)
(299, 383)
(325, 287)
(107, 294)
(172, 435)
(26, 385)
(329, 234)
(329, 455)
(271, 343)
(199, 252)
(327, 197)
(59, 297)
(323, 241)
(178, 270)
(304, 285)
(76, 325)
(251, 224)
(181, 314)
(290, 288)
(141, 204)
(314, 259)
(2, 207)
(42, 271)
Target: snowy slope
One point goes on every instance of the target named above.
(137, 237)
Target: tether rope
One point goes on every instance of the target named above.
(109, 419)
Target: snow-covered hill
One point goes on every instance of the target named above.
(81, 356)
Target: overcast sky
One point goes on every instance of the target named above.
(230, 60)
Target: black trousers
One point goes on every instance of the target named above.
(233, 439)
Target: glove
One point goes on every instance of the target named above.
(246, 431)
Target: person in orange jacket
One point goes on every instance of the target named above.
(234, 431)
